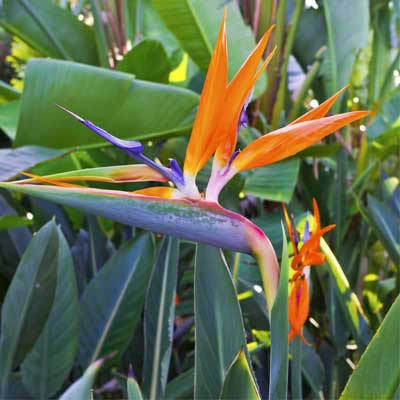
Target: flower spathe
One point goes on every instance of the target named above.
(307, 255)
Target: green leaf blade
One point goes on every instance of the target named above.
(279, 362)
(114, 100)
(51, 359)
(108, 322)
(218, 323)
(377, 374)
(29, 299)
(159, 319)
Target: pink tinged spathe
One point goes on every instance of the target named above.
(193, 220)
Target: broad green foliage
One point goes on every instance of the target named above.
(52, 31)
(219, 327)
(159, 319)
(127, 107)
(377, 374)
(107, 294)
(55, 349)
(29, 298)
(107, 322)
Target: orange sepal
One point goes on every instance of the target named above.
(291, 139)
(164, 192)
(204, 140)
(313, 242)
(238, 91)
(321, 110)
(299, 303)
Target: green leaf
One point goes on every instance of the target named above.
(114, 100)
(377, 375)
(345, 35)
(310, 36)
(219, 329)
(387, 116)
(274, 182)
(313, 370)
(8, 92)
(51, 30)
(48, 364)
(133, 389)
(347, 299)
(29, 299)
(151, 26)
(108, 321)
(99, 27)
(239, 382)
(148, 60)
(9, 113)
(380, 57)
(385, 222)
(82, 388)
(14, 161)
(279, 359)
(13, 221)
(182, 386)
(196, 25)
(184, 219)
(159, 319)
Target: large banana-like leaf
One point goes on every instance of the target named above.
(29, 298)
(50, 29)
(116, 101)
(159, 319)
(112, 303)
(52, 357)
(220, 335)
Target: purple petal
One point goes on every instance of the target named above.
(306, 235)
(176, 169)
(130, 146)
(243, 119)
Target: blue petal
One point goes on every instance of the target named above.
(130, 146)
(176, 169)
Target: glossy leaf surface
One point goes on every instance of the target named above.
(29, 299)
(127, 108)
(218, 322)
(52, 357)
(159, 318)
(112, 302)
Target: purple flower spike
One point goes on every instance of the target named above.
(134, 149)
(130, 146)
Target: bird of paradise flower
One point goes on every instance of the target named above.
(182, 210)
(304, 256)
